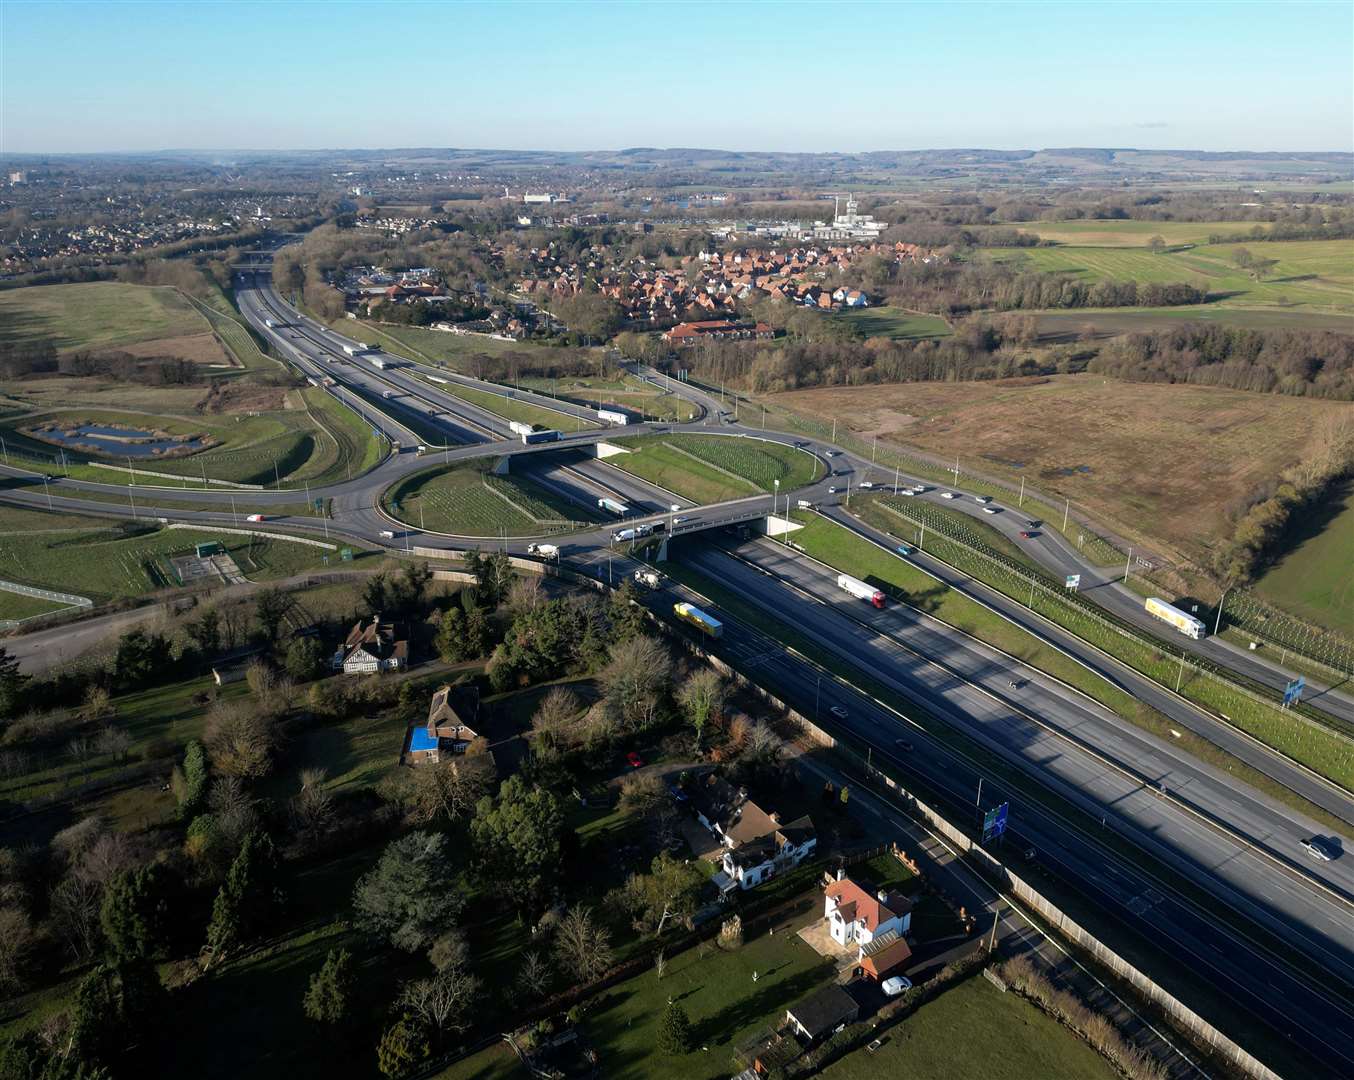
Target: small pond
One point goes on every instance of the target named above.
(119, 442)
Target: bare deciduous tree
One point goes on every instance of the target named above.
(582, 945)
(555, 715)
(75, 915)
(702, 699)
(525, 594)
(115, 742)
(445, 791)
(312, 808)
(18, 939)
(634, 681)
(240, 739)
(534, 976)
(442, 1002)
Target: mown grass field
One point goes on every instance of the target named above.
(1315, 578)
(1111, 447)
(937, 1042)
(467, 500)
(646, 398)
(122, 559)
(451, 349)
(714, 468)
(1132, 233)
(512, 409)
(98, 315)
(18, 606)
(887, 322)
(1316, 275)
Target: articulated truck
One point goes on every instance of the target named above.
(1186, 624)
(860, 590)
(617, 508)
(706, 624)
(519, 428)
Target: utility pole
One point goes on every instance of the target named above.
(817, 697)
(956, 472)
(1067, 507)
(1022, 491)
(874, 449)
(47, 490)
(1128, 564)
(130, 469)
(1218, 623)
(897, 472)
(1180, 678)
(979, 800)
(834, 430)
(992, 942)
(233, 515)
(129, 499)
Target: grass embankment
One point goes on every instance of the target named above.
(1313, 579)
(468, 500)
(345, 446)
(235, 335)
(510, 408)
(715, 468)
(1319, 748)
(20, 606)
(1096, 440)
(649, 399)
(937, 1042)
(112, 560)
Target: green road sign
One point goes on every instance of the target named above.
(346, 554)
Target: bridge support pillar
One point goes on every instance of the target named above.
(663, 550)
(501, 465)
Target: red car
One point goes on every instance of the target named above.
(634, 760)
(1026, 535)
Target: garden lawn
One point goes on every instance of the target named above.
(974, 1030)
(720, 997)
(498, 1062)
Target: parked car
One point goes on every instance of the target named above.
(896, 985)
(634, 760)
(838, 711)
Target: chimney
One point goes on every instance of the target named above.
(841, 872)
(882, 896)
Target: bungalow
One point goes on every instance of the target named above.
(822, 1013)
(857, 916)
(372, 648)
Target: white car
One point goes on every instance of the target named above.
(838, 711)
(256, 518)
(896, 985)
(831, 453)
(991, 509)
(906, 491)
(1317, 849)
(982, 499)
(948, 495)
(866, 484)
(832, 491)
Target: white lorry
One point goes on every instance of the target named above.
(860, 590)
(543, 551)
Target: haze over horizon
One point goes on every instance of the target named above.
(81, 77)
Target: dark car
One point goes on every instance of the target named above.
(903, 745)
(1033, 523)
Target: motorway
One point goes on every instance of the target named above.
(899, 649)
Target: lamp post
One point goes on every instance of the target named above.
(1218, 622)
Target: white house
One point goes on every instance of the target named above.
(749, 864)
(372, 648)
(857, 916)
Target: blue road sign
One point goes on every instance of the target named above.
(994, 821)
(1292, 693)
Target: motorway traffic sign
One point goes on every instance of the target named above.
(1073, 580)
(994, 821)
(1292, 693)
(346, 554)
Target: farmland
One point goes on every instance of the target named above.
(1316, 275)
(711, 468)
(109, 315)
(113, 560)
(1313, 579)
(887, 322)
(468, 500)
(1132, 233)
(1106, 450)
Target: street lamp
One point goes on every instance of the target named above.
(1217, 624)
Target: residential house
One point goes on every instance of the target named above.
(755, 861)
(820, 1014)
(857, 915)
(447, 715)
(372, 648)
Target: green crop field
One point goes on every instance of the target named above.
(714, 468)
(937, 1042)
(1314, 578)
(123, 559)
(1132, 233)
(887, 322)
(1316, 274)
(99, 314)
(468, 500)
(522, 411)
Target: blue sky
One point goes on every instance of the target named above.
(752, 76)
